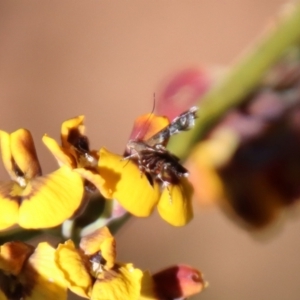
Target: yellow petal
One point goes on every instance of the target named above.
(24, 154)
(125, 183)
(9, 204)
(148, 289)
(6, 154)
(18, 150)
(175, 204)
(71, 124)
(2, 296)
(62, 156)
(95, 178)
(147, 125)
(100, 240)
(91, 243)
(108, 252)
(204, 162)
(206, 181)
(50, 200)
(124, 283)
(13, 255)
(71, 264)
(42, 276)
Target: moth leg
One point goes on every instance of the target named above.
(169, 192)
(165, 184)
(160, 147)
(133, 155)
(142, 168)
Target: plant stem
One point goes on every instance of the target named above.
(243, 77)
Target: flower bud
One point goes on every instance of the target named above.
(179, 281)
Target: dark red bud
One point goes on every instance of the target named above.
(178, 281)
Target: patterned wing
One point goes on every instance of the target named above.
(183, 122)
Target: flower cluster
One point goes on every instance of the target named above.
(31, 200)
(173, 200)
(91, 271)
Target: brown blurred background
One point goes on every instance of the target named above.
(104, 59)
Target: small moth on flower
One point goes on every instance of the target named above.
(152, 156)
(151, 176)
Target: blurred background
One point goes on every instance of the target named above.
(105, 59)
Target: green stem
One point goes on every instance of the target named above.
(243, 78)
(19, 234)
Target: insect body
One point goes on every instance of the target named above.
(154, 159)
(183, 122)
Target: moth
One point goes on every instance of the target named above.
(154, 159)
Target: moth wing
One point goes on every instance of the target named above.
(183, 122)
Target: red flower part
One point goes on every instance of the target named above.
(180, 281)
(183, 91)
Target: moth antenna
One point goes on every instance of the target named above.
(147, 123)
(127, 161)
(154, 103)
(127, 157)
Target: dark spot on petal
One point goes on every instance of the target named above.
(11, 190)
(17, 254)
(10, 286)
(20, 286)
(17, 170)
(6, 191)
(80, 142)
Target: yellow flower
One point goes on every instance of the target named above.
(175, 204)
(139, 192)
(75, 153)
(29, 199)
(206, 158)
(92, 272)
(125, 183)
(30, 274)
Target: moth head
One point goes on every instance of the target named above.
(135, 147)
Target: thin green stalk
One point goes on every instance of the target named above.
(243, 77)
